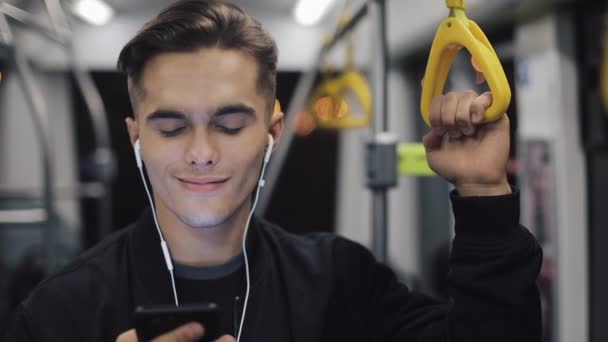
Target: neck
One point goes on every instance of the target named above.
(208, 246)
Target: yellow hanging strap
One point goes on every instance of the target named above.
(454, 33)
(328, 105)
(457, 10)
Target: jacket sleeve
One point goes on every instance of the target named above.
(494, 264)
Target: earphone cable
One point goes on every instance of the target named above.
(163, 243)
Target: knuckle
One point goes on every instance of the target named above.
(450, 98)
(462, 115)
(476, 107)
(451, 95)
(434, 118)
(436, 101)
(470, 93)
(448, 118)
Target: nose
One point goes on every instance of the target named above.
(202, 151)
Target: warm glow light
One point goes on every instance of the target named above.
(95, 12)
(310, 12)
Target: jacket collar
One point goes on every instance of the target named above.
(151, 281)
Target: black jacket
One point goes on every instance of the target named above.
(311, 288)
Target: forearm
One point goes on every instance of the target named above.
(494, 266)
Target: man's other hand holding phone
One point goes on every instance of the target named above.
(186, 333)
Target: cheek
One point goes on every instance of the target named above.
(158, 166)
(249, 166)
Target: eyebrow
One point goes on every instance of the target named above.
(165, 114)
(233, 109)
(223, 110)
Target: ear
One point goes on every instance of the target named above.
(133, 129)
(277, 124)
(277, 107)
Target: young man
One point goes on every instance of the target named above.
(202, 83)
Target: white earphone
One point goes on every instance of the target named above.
(137, 149)
(267, 155)
(163, 243)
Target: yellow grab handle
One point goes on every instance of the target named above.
(453, 34)
(329, 108)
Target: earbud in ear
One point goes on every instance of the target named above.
(269, 148)
(137, 149)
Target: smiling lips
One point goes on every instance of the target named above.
(202, 184)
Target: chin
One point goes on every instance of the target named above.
(203, 219)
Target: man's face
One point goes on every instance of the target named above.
(203, 127)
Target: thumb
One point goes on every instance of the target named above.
(226, 338)
(186, 333)
(479, 106)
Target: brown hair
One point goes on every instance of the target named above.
(189, 25)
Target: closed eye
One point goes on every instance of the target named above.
(172, 132)
(169, 127)
(228, 130)
(231, 123)
(168, 123)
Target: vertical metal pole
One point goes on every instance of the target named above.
(41, 120)
(104, 156)
(380, 124)
(300, 96)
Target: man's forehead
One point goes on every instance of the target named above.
(202, 64)
(201, 81)
(189, 73)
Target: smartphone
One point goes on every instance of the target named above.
(153, 321)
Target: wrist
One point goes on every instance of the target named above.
(470, 190)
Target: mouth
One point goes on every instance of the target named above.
(202, 184)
